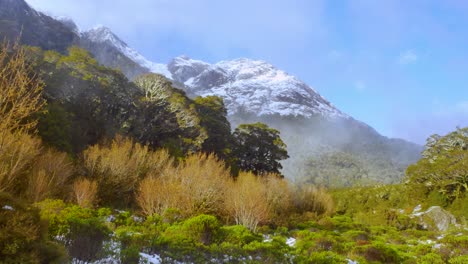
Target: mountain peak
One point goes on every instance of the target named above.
(16, 9)
(252, 86)
(69, 23)
(102, 34)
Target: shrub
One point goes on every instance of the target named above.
(238, 235)
(279, 198)
(85, 192)
(157, 195)
(17, 154)
(50, 175)
(310, 199)
(196, 186)
(247, 201)
(202, 229)
(326, 257)
(23, 236)
(203, 180)
(119, 168)
(431, 258)
(81, 230)
(459, 260)
(379, 252)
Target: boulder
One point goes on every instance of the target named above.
(435, 218)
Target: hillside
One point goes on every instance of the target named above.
(252, 91)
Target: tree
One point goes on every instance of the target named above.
(213, 114)
(444, 166)
(259, 148)
(20, 100)
(20, 90)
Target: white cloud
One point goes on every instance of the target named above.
(407, 57)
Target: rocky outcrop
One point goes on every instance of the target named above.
(19, 21)
(435, 218)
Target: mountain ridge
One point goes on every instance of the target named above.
(253, 91)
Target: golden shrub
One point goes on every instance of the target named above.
(247, 201)
(156, 195)
(119, 167)
(17, 154)
(279, 194)
(312, 200)
(50, 176)
(197, 185)
(85, 192)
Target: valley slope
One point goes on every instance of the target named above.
(253, 91)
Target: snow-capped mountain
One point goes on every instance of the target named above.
(253, 91)
(103, 35)
(247, 86)
(113, 52)
(252, 86)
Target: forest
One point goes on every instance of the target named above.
(97, 169)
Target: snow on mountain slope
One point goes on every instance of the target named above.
(101, 34)
(247, 86)
(252, 86)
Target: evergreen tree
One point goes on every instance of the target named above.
(259, 148)
(444, 166)
(213, 114)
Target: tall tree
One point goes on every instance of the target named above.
(444, 166)
(213, 114)
(259, 148)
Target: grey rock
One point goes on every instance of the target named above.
(435, 218)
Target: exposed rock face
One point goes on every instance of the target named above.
(99, 42)
(19, 20)
(435, 218)
(251, 86)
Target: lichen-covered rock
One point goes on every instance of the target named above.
(435, 218)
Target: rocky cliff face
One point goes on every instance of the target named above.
(253, 87)
(112, 52)
(19, 21)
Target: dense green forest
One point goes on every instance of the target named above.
(95, 168)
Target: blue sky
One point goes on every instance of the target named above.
(399, 66)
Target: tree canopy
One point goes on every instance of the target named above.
(213, 114)
(444, 166)
(259, 148)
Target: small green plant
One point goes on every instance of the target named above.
(81, 230)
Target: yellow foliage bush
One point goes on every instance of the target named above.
(196, 186)
(50, 175)
(17, 154)
(119, 167)
(308, 199)
(85, 192)
(247, 201)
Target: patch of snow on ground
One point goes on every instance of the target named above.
(291, 241)
(151, 259)
(8, 207)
